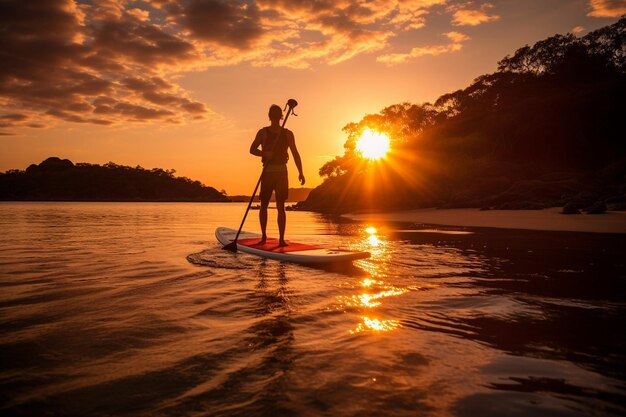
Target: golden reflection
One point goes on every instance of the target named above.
(371, 300)
(373, 240)
(373, 289)
(367, 300)
(377, 246)
(376, 325)
(368, 282)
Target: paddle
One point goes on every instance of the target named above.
(232, 246)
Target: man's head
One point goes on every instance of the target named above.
(275, 113)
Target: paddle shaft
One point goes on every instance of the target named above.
(261, 177)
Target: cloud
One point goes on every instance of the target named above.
(231, 23)
(578, 29)
(465, 15)
(456, 36)
(607, 8)
(294, 33)
(14, 117)
(110, 62)
(59, 60)
(456, 39)
(139, 14)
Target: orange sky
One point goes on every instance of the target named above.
(186, 84)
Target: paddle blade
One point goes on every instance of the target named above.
(231, 247)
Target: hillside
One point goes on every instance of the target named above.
(58, 179)
(295, 195)
(546, 129)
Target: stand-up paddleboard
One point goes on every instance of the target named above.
(294, 252)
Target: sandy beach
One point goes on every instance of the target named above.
(548, 219)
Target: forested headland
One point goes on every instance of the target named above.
(58, 179)
(546, 129)
(294, 195)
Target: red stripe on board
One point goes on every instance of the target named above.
(271, 245)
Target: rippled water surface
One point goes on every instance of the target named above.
(133, 309)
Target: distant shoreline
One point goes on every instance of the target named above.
(114, 201)
(56, 179)
(547, 219)
(135, 201)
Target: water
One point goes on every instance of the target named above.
(118, 309)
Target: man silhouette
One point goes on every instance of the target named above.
(274, 142)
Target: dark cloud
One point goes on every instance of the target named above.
(194, 107)
(89, 63)
(160, 98)
(342, 23)
(142, 85)
(343, 18)
(103, 101)
(75, 118)
(51, 18)
(15, 117)
(142, 43)
(115, 61)
(309, 6)
(141, 113)
(292, 33)
(232, 23)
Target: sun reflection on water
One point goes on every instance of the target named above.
(378, 247)
(370, 300)
(375, 325)
(373, 288)
(368, 282)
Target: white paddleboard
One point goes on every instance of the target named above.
(294, 252)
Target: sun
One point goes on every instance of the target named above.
(373, 145)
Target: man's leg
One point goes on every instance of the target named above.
(282, 191)
(265, 195)
(263, 220)
(282, 221)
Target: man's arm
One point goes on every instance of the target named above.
(296, 158)
(258, 140)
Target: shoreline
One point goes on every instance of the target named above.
(115, 201)
(549, 219)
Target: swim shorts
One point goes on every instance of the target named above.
(275, 181)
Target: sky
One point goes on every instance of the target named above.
(186, 84)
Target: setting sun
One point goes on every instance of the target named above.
(373, 145)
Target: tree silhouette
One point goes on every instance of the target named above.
(545, 128)
(60, 179)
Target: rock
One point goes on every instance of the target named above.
(570, 208)
(621, 206)
(584, 199)
(597, 208)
